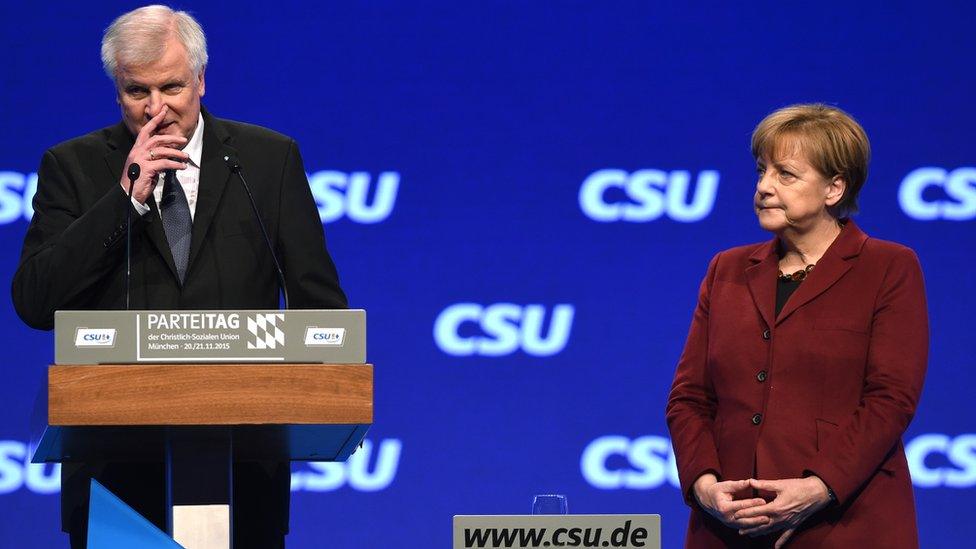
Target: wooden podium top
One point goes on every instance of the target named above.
(315, 412)
(211, 394)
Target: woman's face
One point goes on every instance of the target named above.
(791, 194)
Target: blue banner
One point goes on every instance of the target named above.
(524, 196)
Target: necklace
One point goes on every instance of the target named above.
(798, 276)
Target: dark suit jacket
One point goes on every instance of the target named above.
(74, 251)
(843, 366)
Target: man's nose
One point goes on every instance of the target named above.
(155, 103)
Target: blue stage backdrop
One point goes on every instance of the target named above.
(524, 196)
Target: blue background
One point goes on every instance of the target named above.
(493, 114)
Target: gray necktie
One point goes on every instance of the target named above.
(177, 225)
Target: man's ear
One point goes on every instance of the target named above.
(118, 88)
(201, 83)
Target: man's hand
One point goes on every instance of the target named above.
(154, 154)
(716, 499)
(796, 499)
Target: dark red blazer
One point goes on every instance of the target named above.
(827, 387)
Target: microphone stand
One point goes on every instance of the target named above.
(133, 174)
(235, 167)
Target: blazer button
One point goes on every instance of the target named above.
(761, 376)
(765, 334)
(757, 419)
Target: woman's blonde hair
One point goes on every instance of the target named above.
(830, 139)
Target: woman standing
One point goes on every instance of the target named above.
(805, 359)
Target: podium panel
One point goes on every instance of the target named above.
(210, 336)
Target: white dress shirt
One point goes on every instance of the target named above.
(189, 178)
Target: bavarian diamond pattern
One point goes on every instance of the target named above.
(265, 332)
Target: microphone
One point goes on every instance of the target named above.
(235, 166)
(133, 174)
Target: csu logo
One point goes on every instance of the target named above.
(645, 195)
(324, 337)
(466, 329)
(326, 476)
(934, 193)
(16, 193)
(95, 337)
(368, 470)
(17, 471)
(616, 462)
(336, 194)
(613, 462)
(353, 195)
(958, 454)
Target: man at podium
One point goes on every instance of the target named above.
(195, 241)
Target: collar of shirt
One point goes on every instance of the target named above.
(195, 147)
(190, 177)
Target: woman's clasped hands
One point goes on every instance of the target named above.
(796, 499)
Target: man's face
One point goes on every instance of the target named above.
(144, 89)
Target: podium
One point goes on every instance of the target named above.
(199, 419)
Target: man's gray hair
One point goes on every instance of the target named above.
(138, 37)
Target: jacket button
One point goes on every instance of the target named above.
(765, 334)
(757, 419)
(761, 376)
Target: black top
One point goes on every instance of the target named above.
(784, 289)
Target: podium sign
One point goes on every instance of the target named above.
(265, 336)
(538, 531)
